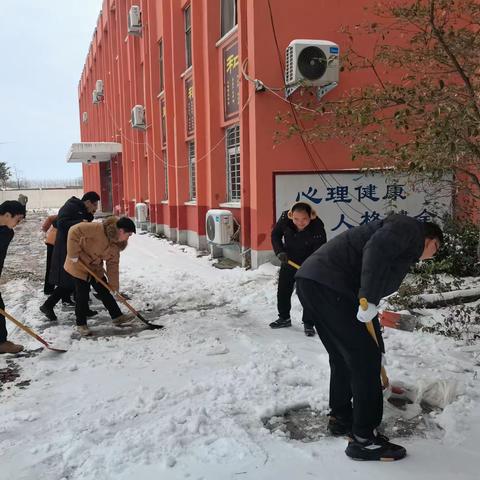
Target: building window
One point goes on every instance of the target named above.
(233, 163)
(160, 64)
(188, 35)
(163, 122)
(191, 169)
(229, 15)
(165, 174)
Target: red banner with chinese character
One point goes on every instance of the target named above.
(190, 113)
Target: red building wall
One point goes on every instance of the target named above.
(130, 69)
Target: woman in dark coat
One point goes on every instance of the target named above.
(297, 234)
(74, 211)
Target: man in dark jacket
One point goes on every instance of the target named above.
(370, 262)
(296, 235)
(74, 211)
(11, 213)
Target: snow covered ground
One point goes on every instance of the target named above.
(190, 401)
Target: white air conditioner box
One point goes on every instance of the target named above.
(96, 98)
(312, 63)
(134, 20)
(219, 226)
(99, 87)
(84, 117)
(138, 117)
(141, 212)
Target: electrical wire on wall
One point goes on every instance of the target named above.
(260, 86)
(150, 148)
(301, 127)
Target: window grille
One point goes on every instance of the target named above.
(192, 172)
(233, 163)
(163, 122)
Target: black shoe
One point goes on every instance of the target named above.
(309, 331)
(48, 312)
(91, 313)
(338, 426)
(377, 448)
(281, 323)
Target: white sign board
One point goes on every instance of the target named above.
(346, 200)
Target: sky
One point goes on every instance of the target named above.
(43, 49)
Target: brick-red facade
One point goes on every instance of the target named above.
(130, 69)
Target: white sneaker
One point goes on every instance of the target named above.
(124, 320)
(84, 331)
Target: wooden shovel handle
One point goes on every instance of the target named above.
(108, 287)
(293, 264)
(371, 331)
(24, 327)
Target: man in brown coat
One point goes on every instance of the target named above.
(95, 244)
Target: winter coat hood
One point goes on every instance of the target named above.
(111, 232)
(313, 213)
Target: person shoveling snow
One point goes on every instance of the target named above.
(93, 244)
(367, 262)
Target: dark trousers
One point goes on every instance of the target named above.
(3, 327)
(48, 288)
(82, 291)
(58, 294)
(286, 284)
(355, 359)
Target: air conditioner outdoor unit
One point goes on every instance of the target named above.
(96, 98)
(99, 87)
(141, 212)
(312, 63)
(135, 20)
(84, 117)
(219, 226)
(138, 117)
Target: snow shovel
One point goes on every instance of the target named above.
(151, 326)
(371, 331)
(388, 388)
(30, 332)
(399, 321)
